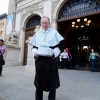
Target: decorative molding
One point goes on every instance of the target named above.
(53, 20)
(54, 0)
(18, 11)
(17, 1)
(31, 9)
(74, 8)
(56, 8)
(28, 3)
(2, 23)
(45, 0)
(41, 5)
(36, 7)
(12, 38)
(54, 3)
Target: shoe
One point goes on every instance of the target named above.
(77, 65)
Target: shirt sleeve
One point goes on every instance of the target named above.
(34, 50)
(56, 52)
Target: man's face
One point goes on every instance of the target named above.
(45, 23)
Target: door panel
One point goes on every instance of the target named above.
(28, 33)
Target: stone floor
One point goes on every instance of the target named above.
(16, 84)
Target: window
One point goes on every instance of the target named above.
(78, 7)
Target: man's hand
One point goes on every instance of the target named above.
(36, 55)
(50, 55)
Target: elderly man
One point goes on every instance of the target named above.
(47, 78)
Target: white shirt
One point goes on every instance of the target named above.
(64, 55)
(51, 37)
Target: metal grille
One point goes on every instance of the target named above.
(78, 7)
(33, 21)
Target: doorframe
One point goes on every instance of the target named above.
(32, 28)
(22, 33)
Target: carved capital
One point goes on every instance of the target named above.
(18, 11)
(54, 20)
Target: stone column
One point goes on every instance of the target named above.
(21, 44)
(21, 32)
(12, 55)
(30, 67)
(54, 24)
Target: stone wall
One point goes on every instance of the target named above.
(11, 7)
(2, 28)
(12, 56)
(30, 67)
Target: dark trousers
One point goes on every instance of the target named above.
(65, 63)
(1, 64)
(39, 95)
(94, 62)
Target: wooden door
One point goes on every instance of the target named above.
(28, 33)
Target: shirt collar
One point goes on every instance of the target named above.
(45, 31)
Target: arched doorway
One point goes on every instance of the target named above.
(79, 23)
(29, 31)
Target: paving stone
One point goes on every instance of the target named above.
(16, 84)
(1, 98)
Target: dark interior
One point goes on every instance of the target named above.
(81, 40)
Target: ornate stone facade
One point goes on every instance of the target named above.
(25, 9)
(30, 9)
(13, 38)
(2, 26)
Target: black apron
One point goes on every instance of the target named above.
(46, 77)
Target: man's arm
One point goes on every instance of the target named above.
(58, 49)
(34, 52)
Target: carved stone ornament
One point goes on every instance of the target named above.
(12, 38)
(18, 10)
(55, 0)
(23, 11)
(37, 28)
(74, 8)
(36, 7)
(54, 3)
(1, 24)
(53, 20)
(40, 5)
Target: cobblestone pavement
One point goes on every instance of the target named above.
(16, 84)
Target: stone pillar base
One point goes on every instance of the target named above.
(30, 69)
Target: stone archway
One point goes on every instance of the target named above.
(22, 33)
(70, 11)
(74, 8)
(29, 32)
